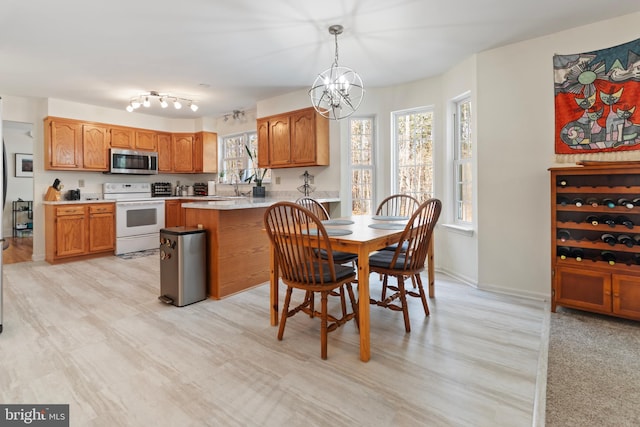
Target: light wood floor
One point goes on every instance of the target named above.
(93, 334)
(20, 249)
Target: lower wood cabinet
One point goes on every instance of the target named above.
(599, 291)
(79, 230)
(173, 213)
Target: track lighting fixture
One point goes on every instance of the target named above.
(144, 100)
(235, 115)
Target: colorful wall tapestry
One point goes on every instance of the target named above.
(597, 97)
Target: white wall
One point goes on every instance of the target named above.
(515, 117)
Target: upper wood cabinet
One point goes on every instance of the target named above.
(294, 139)
(122, 137)
(206, 152)
(164, 143)
(146, 140)
(72, 145)
(183, 152)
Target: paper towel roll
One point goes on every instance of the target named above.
(211, 188)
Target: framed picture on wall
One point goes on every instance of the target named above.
(24, 165)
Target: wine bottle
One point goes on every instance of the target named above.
(562, 182)
(636, 258)
(608, 203)
(636, 201)
(626, 203)
(608, 219)
(623, 220)
(563, 252)
(564, 235)
(609, 238)
(578, 201)
(594, 220)
(609, 257)
(593, 202)
(577, 253)
(624, 239)
(563, 201)
(636, 239)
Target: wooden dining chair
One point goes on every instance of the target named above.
(314, 206)
(409, 262)
(398, 205)
(296, 235)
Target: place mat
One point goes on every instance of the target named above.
(389, 218)
(337, 222)
(331, 232)
(387, 226)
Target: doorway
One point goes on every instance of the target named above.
(17, 218)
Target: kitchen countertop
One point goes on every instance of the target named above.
(206, 202)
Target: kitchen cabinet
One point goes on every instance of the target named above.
(122, 137)
(173, 213)
(164, 142)
(183, 152)
(73, 145)
(146, 140)
(295, 139)
(95, 147)
(78, 230)
(206, 152)
(63, 144)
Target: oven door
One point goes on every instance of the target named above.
(135, 218)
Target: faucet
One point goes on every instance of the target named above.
(236, 178)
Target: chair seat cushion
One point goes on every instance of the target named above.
(383, 259)
(342, 272)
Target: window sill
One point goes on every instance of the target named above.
(460, 229)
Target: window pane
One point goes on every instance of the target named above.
(415, 154)
(463, 151)
(361, 158)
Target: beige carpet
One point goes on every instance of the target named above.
(593, 374)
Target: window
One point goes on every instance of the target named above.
(462, 156)
(236, 163)
(413, 137)
(361, 165)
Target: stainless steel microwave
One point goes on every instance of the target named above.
(133, 162)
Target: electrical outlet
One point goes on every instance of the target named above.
(277, 180)
(81, 183)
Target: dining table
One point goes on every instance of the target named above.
(361, 235)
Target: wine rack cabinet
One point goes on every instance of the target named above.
(595, 235)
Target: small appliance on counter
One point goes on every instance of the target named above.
(73, 195)
(161, 189)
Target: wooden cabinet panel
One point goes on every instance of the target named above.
(63, 140)
(146, 140)
(95, 147)
(164, 152)
(122, 138)
(183, 152)
(173, 213)
(102, 236)
(295, 139)
(78, 230)
(279, 141)
(582, 288)
(207, 152)
(626, 295)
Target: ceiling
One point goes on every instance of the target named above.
(227, 55)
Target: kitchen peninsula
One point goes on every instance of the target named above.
(237, 246)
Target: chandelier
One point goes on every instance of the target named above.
(337, 92)
(144, 100)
